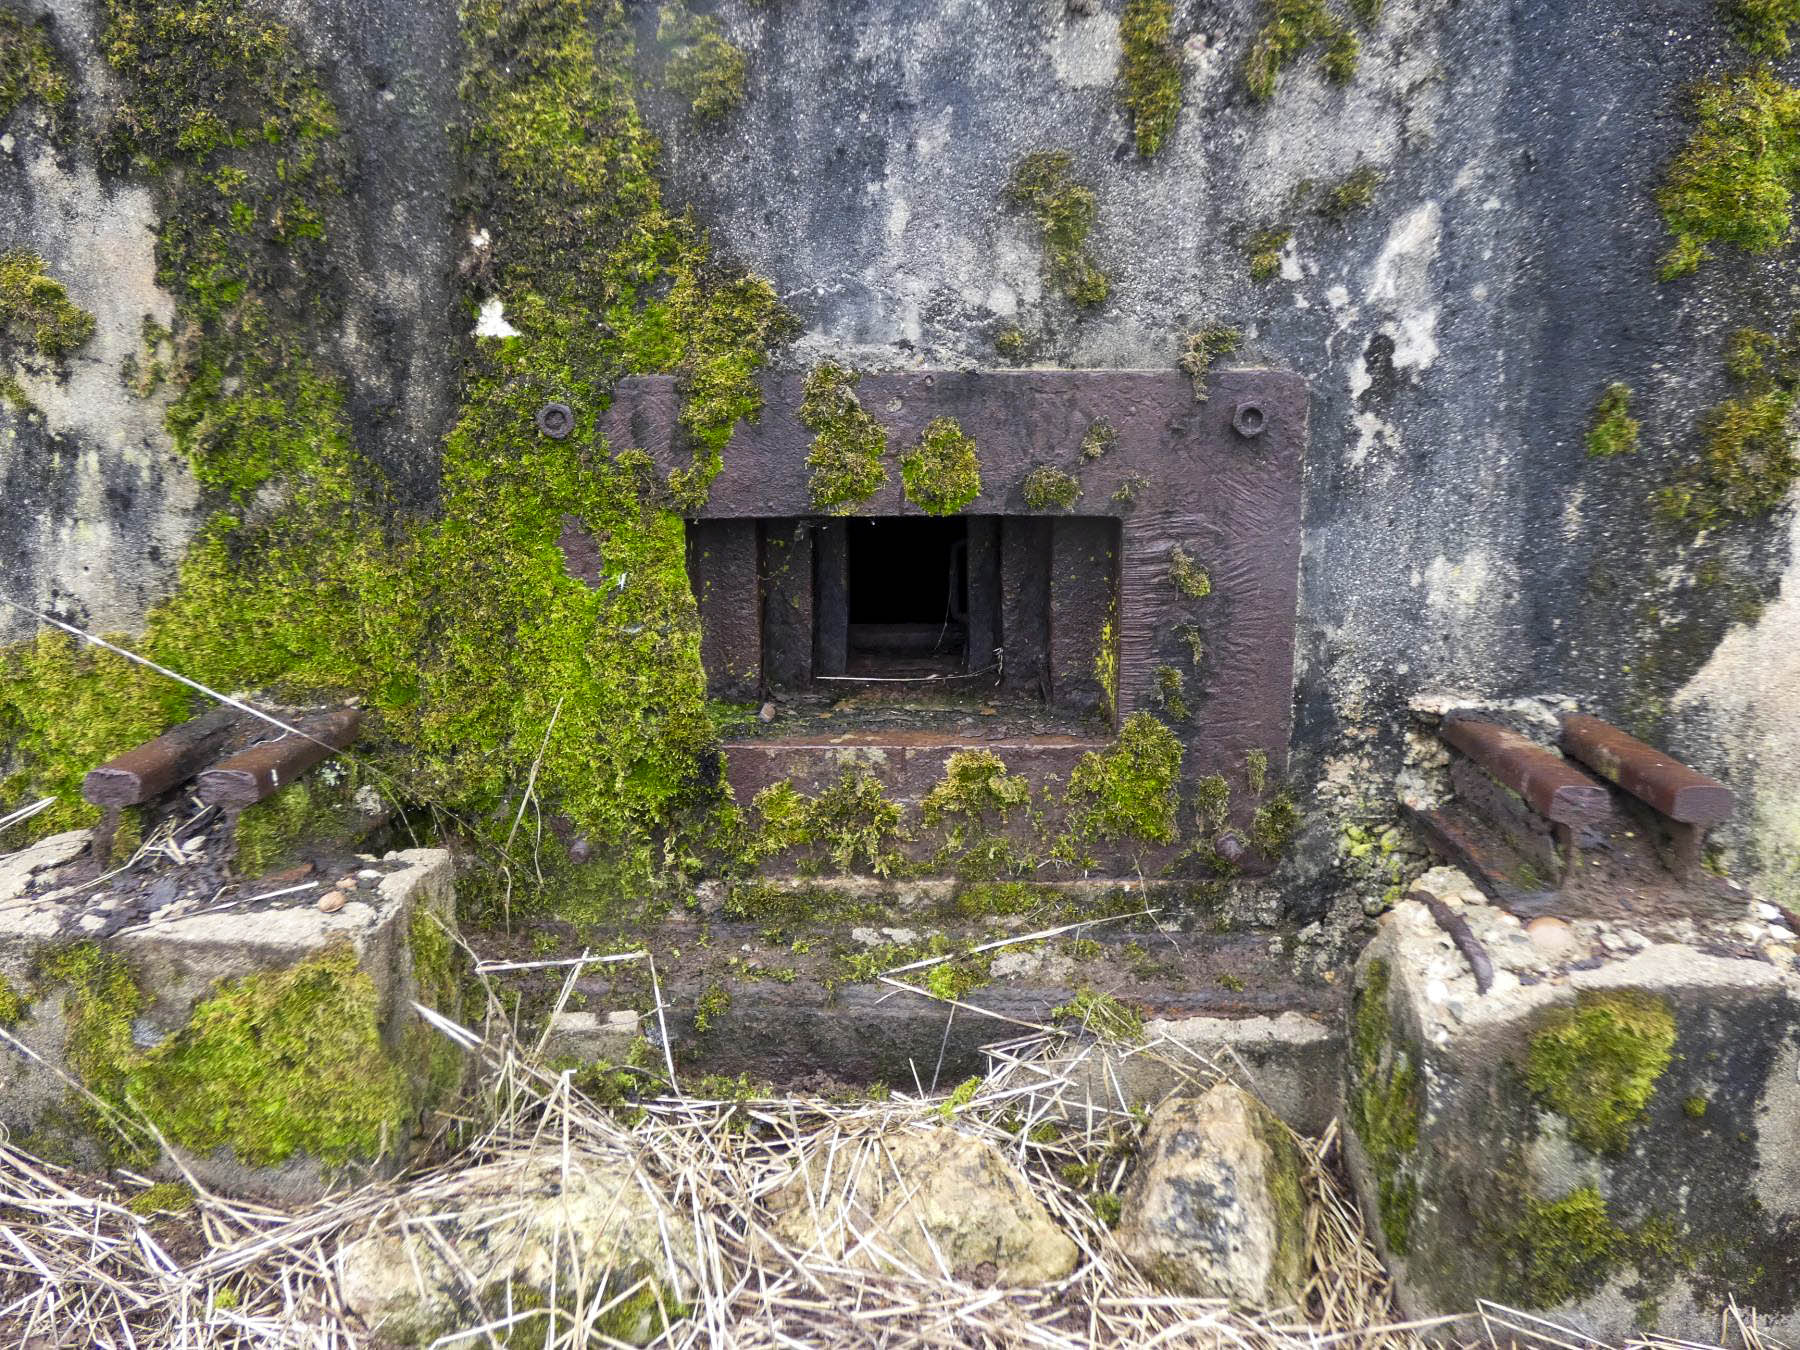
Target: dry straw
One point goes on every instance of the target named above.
(77, 1267)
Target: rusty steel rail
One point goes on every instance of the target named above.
(264, 769)
(1550, 785)
(154, 767)
(1664, 785)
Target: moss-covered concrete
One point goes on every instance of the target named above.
(941, 473)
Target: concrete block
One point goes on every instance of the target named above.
(1606, 1138)
(272, 1045)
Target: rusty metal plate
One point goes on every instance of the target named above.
(1217, 481)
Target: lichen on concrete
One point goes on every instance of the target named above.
(1202, 349)
(1289, 28)
(1044, 181)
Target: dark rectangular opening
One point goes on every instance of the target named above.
(908, 597)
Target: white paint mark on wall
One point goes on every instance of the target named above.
(491, 321)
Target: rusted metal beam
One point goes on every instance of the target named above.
(1666, 786)
(1550, 785)
(151, 769)
(264, 769)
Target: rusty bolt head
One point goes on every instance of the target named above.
(1230, 847)
(556, 420)
(1248, 419)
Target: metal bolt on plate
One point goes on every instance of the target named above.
(556, 420)
(1248, 419)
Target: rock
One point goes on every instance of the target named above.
(579, 1236)
(1553, 937)
(710, 896)
(766, 713)
(1611, 1150)
(331, 902)
(906, 1197)
(1217, 1208)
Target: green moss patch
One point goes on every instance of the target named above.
(1264, 251)
(272, 1065)
(703, 68)
(29, 68)
(1733, 182)
(1101, 1015)
(1044, 182)
(1596, 1063)
(848, 446)
(36, 313)
(1749, 459)
(851, 824)
(1130, 791)
(1098, 440)
(941, 474)
(1614, 431)
(1561, 1249)
(1047, 488)
(976, 789)
(13, 1005)
(1188, 576)
(1353, 193)
(1290, 28)
(1149, 72)
(1763, 25)
(1386, 1103)
(1202, 349)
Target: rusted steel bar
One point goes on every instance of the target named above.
(1678, 792)
(151, 769)
(262, 770)
(1550, 785)
(1462, 935)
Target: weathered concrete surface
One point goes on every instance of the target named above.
(177, 963)
(1456, 335)
(1217, 1206)
(930, 1200)
(575, 1228)
(1606, 1137)
(99, 506)
(1291, 1061)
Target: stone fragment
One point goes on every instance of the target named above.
(1553, 937)
(930, 1200)
(517, 1233)
(1217, 1208)
(766, 713)
(331, 902)
(587, 1039)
